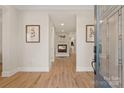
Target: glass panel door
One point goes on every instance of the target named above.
(109, 45)
(104, 69)
(113, 30)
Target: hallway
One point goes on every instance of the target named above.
(62, 75)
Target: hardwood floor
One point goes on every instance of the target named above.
(0, 69)
(62, 75)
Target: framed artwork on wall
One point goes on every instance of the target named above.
(90, 33)
(32, 33)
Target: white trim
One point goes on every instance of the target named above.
(9, 73)
(84, 69)
(62, 55)
(34, 69)
(25, 69)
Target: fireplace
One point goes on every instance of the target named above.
(62, 48)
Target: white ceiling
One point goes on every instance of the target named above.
(67, 19)
(59, 14)
(53, 7)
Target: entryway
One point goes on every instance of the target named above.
(62, 38)
(68, 65)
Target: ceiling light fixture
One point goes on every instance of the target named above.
(62, 24)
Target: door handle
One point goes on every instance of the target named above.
(93, 66)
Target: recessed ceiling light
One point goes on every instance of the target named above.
(62, 24)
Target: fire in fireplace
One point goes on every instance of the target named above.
(62, 48)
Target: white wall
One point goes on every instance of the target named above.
(9, 41)
(34, 56)
(84, 50)
(21, 56)
(0, 38)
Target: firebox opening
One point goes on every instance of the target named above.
(62, 48)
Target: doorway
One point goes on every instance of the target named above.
(62, 38)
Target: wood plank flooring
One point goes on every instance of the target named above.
(0, 69)
(61, 75)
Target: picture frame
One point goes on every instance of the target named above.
(32, 33)
(90, 33)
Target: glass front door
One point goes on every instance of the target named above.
(109, 51)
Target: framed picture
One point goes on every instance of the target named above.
(90, 33)
(32, 33)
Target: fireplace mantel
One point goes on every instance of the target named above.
(62, 50)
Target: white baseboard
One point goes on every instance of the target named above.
(34, 69)
(84, 69)
(62, 54)
(25, 69)
(39, 69)
(9, 73)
